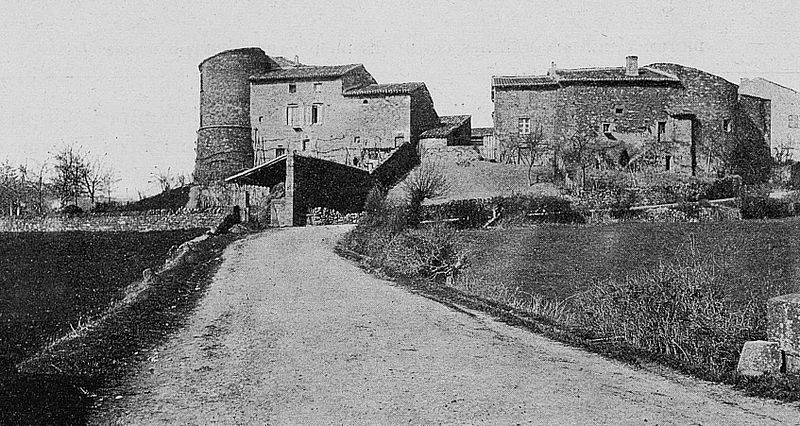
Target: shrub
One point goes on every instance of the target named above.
(764, 207)
(426, 181)
(71, 211)
(678, 311)
(428, 252)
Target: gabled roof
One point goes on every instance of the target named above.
(448, 124)
(306, 72)
(386, 89)
(559, 77)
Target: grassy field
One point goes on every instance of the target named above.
(50, 282)
(557, 261)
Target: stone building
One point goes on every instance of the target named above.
(785, 117)
(661, 116)
(269, 121)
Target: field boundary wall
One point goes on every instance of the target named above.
(133, 221)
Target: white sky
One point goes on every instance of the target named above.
(121, 78)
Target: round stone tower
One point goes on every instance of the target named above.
(224, 140)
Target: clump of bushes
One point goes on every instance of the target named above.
(515, 209)
(390, 240)
(764, 207)
(677, 311)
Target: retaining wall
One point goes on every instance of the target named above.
(152, 220)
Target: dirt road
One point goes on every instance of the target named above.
(290, 333)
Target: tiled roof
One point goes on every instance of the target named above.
(385, 89)
(482, 131)
(523, 81)
(306, 72)
(611, 74)
(448, 124)
(584, 75)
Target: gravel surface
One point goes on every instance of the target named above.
(290, 333)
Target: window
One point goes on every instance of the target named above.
(726, 124)
(292, 115)
(662, 127)
(292, 88)
(372, 154)
(280, 151)
(355, 161)
(794, 121)
(316, 114)
(668, 160)
(618, 110)
(317, 87)
(356, 140)
(305, 144)
(261, 119)
(399, 140)
(365, 102)
(606, 127)
(524, 126)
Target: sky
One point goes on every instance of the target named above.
(120, 78)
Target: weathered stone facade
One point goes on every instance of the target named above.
(223, 139)
(662, 116)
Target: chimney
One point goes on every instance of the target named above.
(297, 60)
(632, 66)
(552, 71)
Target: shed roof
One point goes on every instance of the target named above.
(482, 131)
(386, 89)
(449, 123)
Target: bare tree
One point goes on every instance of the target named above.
(533, 142)
(579, 151)
(68, 170)
(168, 181)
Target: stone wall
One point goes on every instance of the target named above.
(330, 185)
(154, 220)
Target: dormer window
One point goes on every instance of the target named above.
(292, 88)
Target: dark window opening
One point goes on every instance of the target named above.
(292, 88)
(726, 124)
(305, 144)
(606, 127)
(356, 140)
(261, 119)
(355, 161)
(315, 114)
(624, 158)
(399, 140)
(662, 127)
(280, 151)
(365, 102)
(618, 110)
(667, 162)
